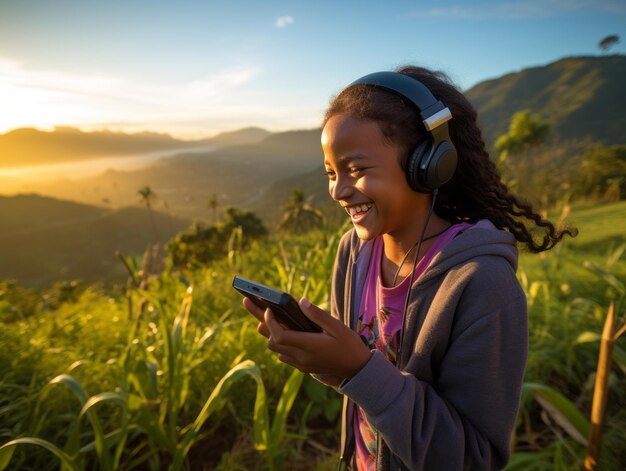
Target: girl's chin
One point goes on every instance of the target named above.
(364, 233)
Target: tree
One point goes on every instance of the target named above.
(602, 171)
(147, 198)
(299, 216)
(250, 224)
(212, 204)
(526, 132)
(608, 42)
(198, 245)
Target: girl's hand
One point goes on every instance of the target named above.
(262, 328)
(334, 354)
(257, 312)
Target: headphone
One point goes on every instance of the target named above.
(433, 162)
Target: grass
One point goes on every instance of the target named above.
(569, 290)
(153, 376)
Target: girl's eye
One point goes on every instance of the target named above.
(330, 174)
(355, 171)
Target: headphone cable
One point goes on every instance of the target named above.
(406, 255)
(408, 294)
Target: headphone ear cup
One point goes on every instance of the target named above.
(414, 175)
(441, 167)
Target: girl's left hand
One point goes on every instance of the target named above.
(337, 351)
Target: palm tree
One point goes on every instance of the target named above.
(299, 215)
(147, 198)
(212, 204)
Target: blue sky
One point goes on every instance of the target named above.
(195, 68)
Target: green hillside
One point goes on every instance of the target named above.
(73, 241)
(580, 96)
(24, 213)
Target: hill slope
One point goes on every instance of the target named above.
(580, 96)
(24, 213)
(75, 241)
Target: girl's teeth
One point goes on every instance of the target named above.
(358, 209)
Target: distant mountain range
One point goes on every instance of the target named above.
(582, 97)
(27, 147)
(238, 175)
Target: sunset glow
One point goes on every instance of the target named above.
(202, 68)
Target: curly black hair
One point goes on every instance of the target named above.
(476, 190)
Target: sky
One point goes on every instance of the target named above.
(194, 68)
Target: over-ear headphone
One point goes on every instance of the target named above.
(433, 162)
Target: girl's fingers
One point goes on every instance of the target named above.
(288, 337)
(257, 312)
(337, 350)
(276, 330)
(322, 318)
(253, 309)
(263, 330)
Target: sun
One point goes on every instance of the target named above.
(32, 107)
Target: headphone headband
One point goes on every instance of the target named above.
(433, 112)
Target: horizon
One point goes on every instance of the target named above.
(187, 138)
(199, 71)
(57, 128)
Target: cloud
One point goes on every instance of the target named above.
(519, 10)
(45, 98)
(283, 21)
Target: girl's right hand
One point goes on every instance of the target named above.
(333, 355)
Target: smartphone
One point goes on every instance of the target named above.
(283, 305)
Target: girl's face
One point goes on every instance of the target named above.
(366, 179)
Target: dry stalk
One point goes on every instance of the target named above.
(601, 390)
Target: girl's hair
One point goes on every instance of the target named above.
(476, 190)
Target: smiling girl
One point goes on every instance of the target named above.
(427, 337)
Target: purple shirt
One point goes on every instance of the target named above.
(382, 311)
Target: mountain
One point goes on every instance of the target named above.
(45, 239)
(250, 135)
(239, 175)
(580, 96)
(26, 146)
(297, 148)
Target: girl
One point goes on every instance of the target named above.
(427, 338)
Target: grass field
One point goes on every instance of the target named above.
(169, 373)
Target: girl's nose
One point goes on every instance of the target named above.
(340, 188)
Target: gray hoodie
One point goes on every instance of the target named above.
(452, 400)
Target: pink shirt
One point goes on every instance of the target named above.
(382, 311)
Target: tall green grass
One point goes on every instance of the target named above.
(569, 290)
(170, 373)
